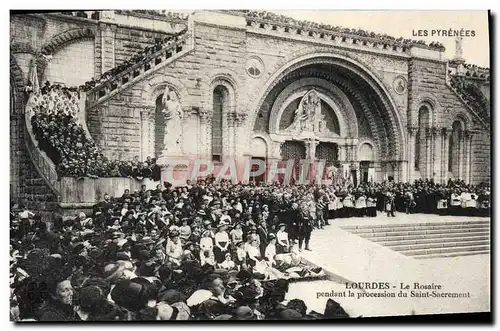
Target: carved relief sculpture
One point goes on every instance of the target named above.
(308, 117)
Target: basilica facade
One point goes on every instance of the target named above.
(244, 85)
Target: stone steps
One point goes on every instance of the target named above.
(471, 248)
(429, 240)
(392, 226)
(424, 240)
(470, 231)
(443, 255)
(412, 247)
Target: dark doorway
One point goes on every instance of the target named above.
(363, 167)
(292, 150)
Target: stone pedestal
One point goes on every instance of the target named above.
(175, 169)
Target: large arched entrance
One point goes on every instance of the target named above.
(332, 106)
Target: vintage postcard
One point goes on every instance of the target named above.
(249, 165)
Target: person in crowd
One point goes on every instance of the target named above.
(221, 242)
(282, 243)
(389, 204)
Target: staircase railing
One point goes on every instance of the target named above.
(46, 168)
(483, 116)
(120, 81)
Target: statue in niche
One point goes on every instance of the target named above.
(308, 116)
(172, 112)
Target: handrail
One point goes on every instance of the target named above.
(44, 165)
(139, 65)
(110, 87)
(467, 104)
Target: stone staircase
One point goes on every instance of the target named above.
(429, 240)
(170, 52)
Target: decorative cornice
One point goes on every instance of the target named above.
(286, 25)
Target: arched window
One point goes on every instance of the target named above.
(220, 97)
(454, 149)
(423, 123)
(159, 126)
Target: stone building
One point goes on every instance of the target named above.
(250, 86)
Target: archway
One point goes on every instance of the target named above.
(421, 147)
(259, 152)
(366, 156)
(159, 128)
(364, 90)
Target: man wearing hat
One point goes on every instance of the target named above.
(305, 228)
(263, 235)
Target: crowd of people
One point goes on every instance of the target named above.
(152, 12)
(203, 251)
(137, 58)
(471, 94)
(60, 135)
(207, 250)
(269, 16)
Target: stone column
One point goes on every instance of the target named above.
(147, 131)
(427, 169)
(411, 152)
(204, 144)
(230, 141)
(468, 156)
(461, 155)
(436, 155)
(445, 136)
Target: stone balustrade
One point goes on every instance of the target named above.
(89, 14)
(336, 38)
(149, 63)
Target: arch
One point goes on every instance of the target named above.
(219, 76)
(334, 98)
(220, 96)
(60, 40)
(455, 162)
(366, 151)
(259, 147)
(462, 119)
(20, 47)
(428, 99)
(424, 123)
(16, 74)
(157, 84)
(231, 87)
(399, 149)
(17, 107)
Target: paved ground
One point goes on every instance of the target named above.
(359, 260)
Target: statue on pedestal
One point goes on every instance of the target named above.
(172, 112)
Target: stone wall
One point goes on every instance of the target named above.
(129, 42)
(427, 84)
(80, 56)
(481, 158)
(123, 126)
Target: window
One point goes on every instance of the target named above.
(219, 98)
(420, 138)
(254, 67)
